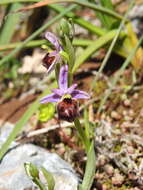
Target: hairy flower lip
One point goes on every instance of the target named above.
(63, 89)
(68, 109)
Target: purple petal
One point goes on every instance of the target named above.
(58, 91)
(50, 98)
(53, 39)
(63, 78)
(53, 54)
(78, 94)
(71, 88)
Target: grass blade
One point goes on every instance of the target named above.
(113, 44)
(100, 42)
(35, 43)
(82, 134)
(106, 20)
(9, 25)
(80, 2)
(49, 178)
(90, 169)
(76, 19)
(114, 82)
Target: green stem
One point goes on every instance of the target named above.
(81, 134)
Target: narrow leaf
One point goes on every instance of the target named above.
(90, 169)
(100, 42)
(70, 52)
(49, 178)
(125, 64)
(10, 23)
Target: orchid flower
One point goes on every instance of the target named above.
(67, 106)
(52, 58)
(63, 90)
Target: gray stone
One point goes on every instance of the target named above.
(5, 130)
(12, 172)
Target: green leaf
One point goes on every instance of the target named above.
(80, 2)
(85, 140)
(39, 184)
(76, 19)
(33, 173)
(90, 169)
(70, 52)
(46, 112)
(94, 46)
(107, 21)
(116, 77)
(64, 55)
(35, 43)
(10, 23)
(114, 42)
(31, 170)
(86, 123)
(49, 178)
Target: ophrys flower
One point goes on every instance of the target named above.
(66, 97)
(52, 58)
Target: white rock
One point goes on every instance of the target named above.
(12, 173)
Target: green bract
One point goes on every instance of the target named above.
(46, 112)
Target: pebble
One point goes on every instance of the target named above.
(130, 149)
(127, 102)
(125, 124)
(131, 113)
(104, 187)
(99, 176)
(136, 96)
(125, 112)
(123, 97)
(117, 179)
(115, 115)
(101, 161)
(128, 118)
(109, 169)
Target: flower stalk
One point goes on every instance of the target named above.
(82, 135)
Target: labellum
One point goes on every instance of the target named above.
(68, 109)
(47, 61)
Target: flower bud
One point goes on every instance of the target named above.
(68, 109)
(31, 170)
(66, 28)
(47, 61)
